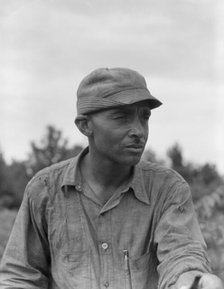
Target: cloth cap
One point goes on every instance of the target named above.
(112, 87)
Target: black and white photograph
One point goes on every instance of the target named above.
(111, 144)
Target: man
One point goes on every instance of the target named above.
(104, 219)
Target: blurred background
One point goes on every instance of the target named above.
(48, 46)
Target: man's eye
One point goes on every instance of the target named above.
(121, 116)
(146, 115)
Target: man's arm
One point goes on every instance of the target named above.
(25, 263)
(180, 245)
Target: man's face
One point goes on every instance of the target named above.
(120, 134)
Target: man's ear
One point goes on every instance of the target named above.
(83, 124)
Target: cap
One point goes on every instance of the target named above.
(112, 87)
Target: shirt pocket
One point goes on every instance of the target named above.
(143, 271)
(73, 269)
(67, 235)
(141, 263)
(76, 262)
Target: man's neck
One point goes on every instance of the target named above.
(104, 177)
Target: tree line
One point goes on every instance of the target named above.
(53, 148)
(14, 177)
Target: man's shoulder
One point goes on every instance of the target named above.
(48, 177)
(160, 181)
(52, 169)
(159, 171)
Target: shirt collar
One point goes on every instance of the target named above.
(72, 177)
(138, 185)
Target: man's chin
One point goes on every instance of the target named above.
(131, 160)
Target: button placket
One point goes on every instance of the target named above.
(105, 248)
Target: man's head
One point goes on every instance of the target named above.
(113, 107)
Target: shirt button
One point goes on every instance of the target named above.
(105, 246)
(106, 284)
(181, 209)
(79, 188)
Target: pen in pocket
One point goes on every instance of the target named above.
(127, 268)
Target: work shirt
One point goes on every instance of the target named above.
(145, 236)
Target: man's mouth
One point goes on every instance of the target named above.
(136, 146)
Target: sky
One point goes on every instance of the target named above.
(48, 46)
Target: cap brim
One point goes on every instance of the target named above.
(131, 96)
(121, 98)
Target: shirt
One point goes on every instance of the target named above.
(145, 236)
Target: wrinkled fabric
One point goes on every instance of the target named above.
(144, 237)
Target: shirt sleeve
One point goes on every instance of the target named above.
(25, 262)
(180, 244)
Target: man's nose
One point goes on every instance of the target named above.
(136, 129)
